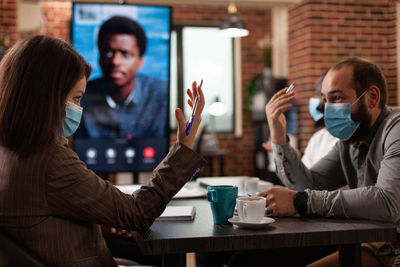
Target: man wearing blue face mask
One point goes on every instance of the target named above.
(367, 158)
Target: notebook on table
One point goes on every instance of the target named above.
(183, 193)
(178, 213)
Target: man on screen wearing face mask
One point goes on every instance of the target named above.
(367, 157)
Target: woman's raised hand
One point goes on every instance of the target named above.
(188, 140)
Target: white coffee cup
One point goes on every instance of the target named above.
(241, 187)
(251, 209)
(251, 185)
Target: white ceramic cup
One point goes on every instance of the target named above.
(241, 187)
(251, 185)
(251, 209)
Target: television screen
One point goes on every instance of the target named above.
(124, 125)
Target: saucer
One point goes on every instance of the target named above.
(235, 220)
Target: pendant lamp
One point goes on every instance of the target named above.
(233, 26)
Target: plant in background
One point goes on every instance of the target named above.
(265, 45)
(251, 89)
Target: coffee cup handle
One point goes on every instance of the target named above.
(212, 196)
(245, 210)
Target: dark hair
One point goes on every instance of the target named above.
(318, 84)
(321, 107)
(122, 25)
(36, 76)
(366, 74)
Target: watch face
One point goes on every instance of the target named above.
(300, 202)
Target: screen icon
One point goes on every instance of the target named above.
(149, 152)
(110, 154)
(91, 155)
(130, 154)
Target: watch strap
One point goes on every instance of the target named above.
(300, 202)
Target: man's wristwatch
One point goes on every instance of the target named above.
(300, 202)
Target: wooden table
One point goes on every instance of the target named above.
(173, 239)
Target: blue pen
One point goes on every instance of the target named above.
(193, 110)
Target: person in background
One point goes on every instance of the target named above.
(367, 157)
(291, 131)
(50, 201)
(321, 142)
(122, 103)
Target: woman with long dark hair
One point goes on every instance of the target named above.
(49, 200)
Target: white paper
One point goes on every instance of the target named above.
(183, 193)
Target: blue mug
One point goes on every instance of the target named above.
(222, 199)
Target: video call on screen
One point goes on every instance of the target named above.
(132, 135)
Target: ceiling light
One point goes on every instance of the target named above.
(233, 26)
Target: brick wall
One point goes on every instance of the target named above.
(56, 18)
(322, 32)
(8, 21)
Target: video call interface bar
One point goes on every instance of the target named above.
(118, 155)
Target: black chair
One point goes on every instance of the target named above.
(15, 254)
